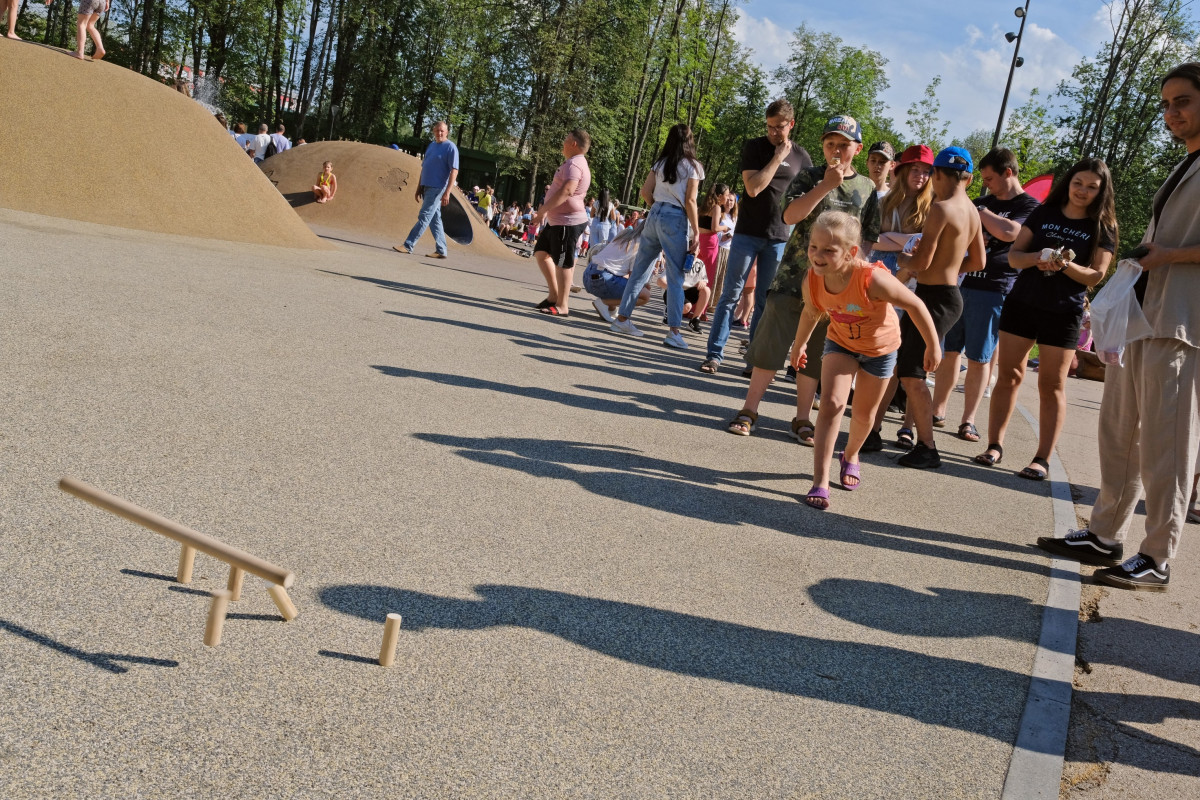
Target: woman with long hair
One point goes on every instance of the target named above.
(600, 231)
(1065, 247)
(671, 229)
(902, 214)
(906, 205)
(729, 221)
(711, 228)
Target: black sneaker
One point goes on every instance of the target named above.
(874, 442)
(1082, 545)
(1139, 573)
(748, 371)
(921, 457)
(694, 324)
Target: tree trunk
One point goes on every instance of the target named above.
(305, 81)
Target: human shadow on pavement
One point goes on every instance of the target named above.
(930, 689)
(639, 404)
(109, 662)
(723, 498)
(957, 613)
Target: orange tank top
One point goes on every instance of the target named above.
(856, 322)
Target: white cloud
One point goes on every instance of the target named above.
(770, 43)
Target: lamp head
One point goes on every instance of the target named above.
(1019, 12)
(1020, 61)
(1010, 36)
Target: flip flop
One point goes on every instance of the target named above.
(849, 471)
(939, 422)
(551, 311)
(817, 498)
(803, 431)
(905, 439)
(1029, 473)
(968, 432)
(544, 304)
(710, 366)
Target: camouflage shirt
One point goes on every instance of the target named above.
(855, 196)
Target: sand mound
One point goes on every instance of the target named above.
(374, 203)
(100, 143)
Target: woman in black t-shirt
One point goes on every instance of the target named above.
(1046, 303)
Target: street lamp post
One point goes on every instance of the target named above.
(1017, 61)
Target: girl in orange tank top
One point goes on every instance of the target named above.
(860, 349)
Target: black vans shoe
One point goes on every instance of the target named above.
(1082, 545)
(1140, 573)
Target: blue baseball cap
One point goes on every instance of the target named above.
(844, 125)
(955, 158)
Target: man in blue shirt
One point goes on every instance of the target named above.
(438, 173)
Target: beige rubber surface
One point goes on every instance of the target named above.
(375, 202)
(96, 142)
(604, 594)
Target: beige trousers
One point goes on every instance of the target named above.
(1149, 431)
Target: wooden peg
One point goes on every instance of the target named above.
(391, 637)
(187, 557)
(216, 617)
(235, 583)
(283, 602)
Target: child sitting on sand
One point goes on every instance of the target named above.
(326, 186)
(861, 345)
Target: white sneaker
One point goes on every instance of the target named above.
(675, 340)
(987, 392)
(626, 327)
(604, 311)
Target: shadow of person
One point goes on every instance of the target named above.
(934, 690)
(720, 497)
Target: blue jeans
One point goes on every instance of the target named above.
(666, 232)
(742, 252)
(430, 216)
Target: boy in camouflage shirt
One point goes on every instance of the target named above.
(834, 187)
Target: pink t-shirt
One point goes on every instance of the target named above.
(571, 211)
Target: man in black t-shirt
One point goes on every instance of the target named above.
(769, 163)
(977, 331)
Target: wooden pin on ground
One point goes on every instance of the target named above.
(391, 637)
(216, 617)
(187, 558)
(283, 603)
(235, 583)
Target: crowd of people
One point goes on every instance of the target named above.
(866, 284)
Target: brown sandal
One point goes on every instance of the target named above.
(743, 423)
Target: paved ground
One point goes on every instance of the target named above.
(604, 594)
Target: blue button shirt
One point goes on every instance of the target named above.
(439, 160)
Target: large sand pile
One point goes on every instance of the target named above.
(375, 201)
(99, 143)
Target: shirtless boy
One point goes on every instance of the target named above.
(951, 229)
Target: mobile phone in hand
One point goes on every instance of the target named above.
(1139, 251)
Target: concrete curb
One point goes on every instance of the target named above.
(1038, 754)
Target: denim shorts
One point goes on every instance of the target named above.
(978, 329)
(879, 366)
(602, 284)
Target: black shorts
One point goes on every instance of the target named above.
(945, 305)
(1049, 328)
(560, 242)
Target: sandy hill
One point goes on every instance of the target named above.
(96, 142)
(375, 201)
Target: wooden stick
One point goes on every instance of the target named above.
(283, 602)
(187, 558)
(391, 637)
(173, 530)
(216, 617)
(235, 583)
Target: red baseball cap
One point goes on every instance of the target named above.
(917, 154)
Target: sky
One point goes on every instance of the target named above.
(963, 42)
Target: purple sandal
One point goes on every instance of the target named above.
(849, 471)
(817, 498)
